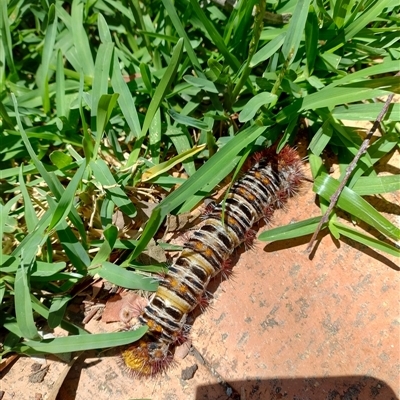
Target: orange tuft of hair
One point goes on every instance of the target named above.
(147, 358)
(288, 156)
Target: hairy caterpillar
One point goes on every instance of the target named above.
(267, 185)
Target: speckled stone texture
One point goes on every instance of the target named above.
(293, 327)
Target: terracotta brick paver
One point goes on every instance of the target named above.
(307, 328)
(284, 327)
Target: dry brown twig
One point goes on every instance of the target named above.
(363, 148)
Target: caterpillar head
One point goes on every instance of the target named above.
(291, 168)
(288, 156)
(147, 358)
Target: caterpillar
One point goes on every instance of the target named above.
(267, 185)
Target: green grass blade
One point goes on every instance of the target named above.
(182, 142)
(146, 76)
(101, 73)
(163, 86)
(139, 19)
(4, 211)
(48, 49)
(365, 239)
(382, 68)
(110, 235)
(366, 18)
(61, 105)
(38, 164)
(329, 97)
(106, 212)
(57, 310)
(22, 303)
(125, 99)
(366, 112)
(187, 121)
(53, 183)
(155, 137)
(254, 104)
(215, 36)
(124, 278)
(104, 30)
(389, 83)
(68, 197)
(42, 310)
(354, 204)
(61, 160)
(6, 40)
(201, 83)
(382, 146)
(105, 107)
(159, 95)
(291, 231)
(30, 216)
(74, 343)
(11, 325)
(117, 195)
(321, 138)
(8, 264)
(154, 222)
(73, 248)
(7, 121)
(34, 240)
(296, 30)
(376, 185)
(176, 21)
(81, 42)
(2, 290)
(311, 40)
(73, 215)
(339, 12)
(167, 165)
(45, 269)
(126, 12)
(268, 50)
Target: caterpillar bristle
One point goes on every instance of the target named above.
(203, 302)
(249, 238)
(227, 269)
(182, 336)
(268, 212)
(281, 198)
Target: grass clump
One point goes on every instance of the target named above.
(106, 106)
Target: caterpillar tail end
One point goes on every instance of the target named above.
(147, 358)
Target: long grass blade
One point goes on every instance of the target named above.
(365, 239)
(354, 204)
(69, 344)
(22, 302)
(67, 199)
(296, 29)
